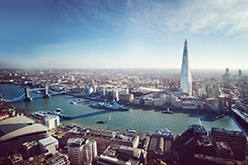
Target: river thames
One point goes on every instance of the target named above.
(142, 119)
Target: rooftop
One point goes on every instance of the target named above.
(28, 129)
(13, 124)
(48, 140)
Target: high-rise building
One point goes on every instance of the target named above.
(226, 75)
(186, 77)
(240, 73)
(81, 151)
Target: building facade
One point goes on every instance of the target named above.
(186, 77)
(81, 151)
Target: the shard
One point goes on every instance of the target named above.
(186, 78)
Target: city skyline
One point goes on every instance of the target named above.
(123, 34)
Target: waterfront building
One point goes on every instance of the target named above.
(17, 130)
(148, 101)
(186, 77)
(48, 119)
(194, 141)
(81, 151)
(49, 145)
(192, 104)
(104, 138)
(160, 101)
(236, 139)
(126, 98)
(136, 101)
(176, 102)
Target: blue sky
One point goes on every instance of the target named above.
(123, 33)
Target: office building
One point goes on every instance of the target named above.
(226, 75)
(49, 145)
(235, 139)
(194, 140)
(48, 119)
(81, 151)
(186, 77)
(119, 154)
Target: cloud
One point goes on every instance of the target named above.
(224, 16)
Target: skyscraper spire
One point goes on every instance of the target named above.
(186, 78)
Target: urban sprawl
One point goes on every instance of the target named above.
(40, 138)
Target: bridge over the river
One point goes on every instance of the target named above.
(26, 95)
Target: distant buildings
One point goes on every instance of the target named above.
(226, 75)
(186, 77)
(81, 151)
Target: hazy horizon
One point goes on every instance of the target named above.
(107, 34)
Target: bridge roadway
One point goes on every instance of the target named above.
(241, 117)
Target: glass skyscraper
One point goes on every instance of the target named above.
(186, 77)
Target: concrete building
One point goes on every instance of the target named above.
(104, 138)
(49, 120)
(160, 101)
(126, 98)
(81, 151)
(186, 77)
(49, 145)
(119, 154)
(235, 139)
(17, 130)
(226, 75)
(148, 101)
(31, 149)
(192, 105)
(194, 141)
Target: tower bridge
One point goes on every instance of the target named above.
(26, 95)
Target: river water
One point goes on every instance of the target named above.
(136, 118)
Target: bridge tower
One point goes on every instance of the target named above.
(46, 92)
(27, 94)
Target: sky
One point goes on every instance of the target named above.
(123, 33)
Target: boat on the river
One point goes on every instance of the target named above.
(130, 130)
(115, 106)
(58, 111)
(164, 132)
(101, 122)
(73, 102)
(148, 133)
(168, 111)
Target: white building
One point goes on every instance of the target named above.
(49, 145)
(49, 120)
(81, 151)
(192, 105)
